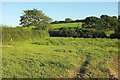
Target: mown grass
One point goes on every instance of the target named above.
(76, 24)
(60, 58)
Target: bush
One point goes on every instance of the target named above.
(99, 34)
(115, 35)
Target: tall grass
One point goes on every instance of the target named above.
(10, 34)
(55, 57)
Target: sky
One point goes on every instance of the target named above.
(59, 0)
(119, 8)
(11, 11)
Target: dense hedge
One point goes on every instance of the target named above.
(115, 35)
(19, 33)
(76, 32)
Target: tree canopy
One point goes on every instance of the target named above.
(35, 18)
(104, 22)
(68, 20)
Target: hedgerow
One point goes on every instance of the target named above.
(10, 34)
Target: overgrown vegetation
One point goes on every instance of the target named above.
(104, 22)
(11, 34)
(94, 26)
(77, 32)
(61, 58)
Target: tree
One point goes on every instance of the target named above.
(67, 20)
(104, 22)
(90, 22)
(117, 29)
(35, 18)
(119, 17)
(111, 21)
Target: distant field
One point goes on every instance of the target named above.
(61, 58)
(77, 24)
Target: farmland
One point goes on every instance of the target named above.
(55, 57)
(42, 48)
(75, 24)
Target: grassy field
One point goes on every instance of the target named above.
(61, 58)
(76, 24)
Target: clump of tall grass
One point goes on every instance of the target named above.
(11, 34)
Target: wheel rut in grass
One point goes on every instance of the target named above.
(83, 68)
(112, 73)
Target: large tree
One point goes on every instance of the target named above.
(35, 18)
(112, 21)
(90, 22)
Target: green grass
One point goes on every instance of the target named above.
(76, 24)
(60, 58)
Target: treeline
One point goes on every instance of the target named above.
(67, 20)
(92, 27)
(11, 34)
(104, 22)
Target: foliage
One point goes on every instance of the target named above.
(117, 29)
(77, 32)
(35, 18)
(68, 20)
(104, 22)
(115, 35)
(111, 22)
(11, 34)
(90, 22)
(119, 17)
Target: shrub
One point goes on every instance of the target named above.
(115, 35)
(54, 33)
(99, 34)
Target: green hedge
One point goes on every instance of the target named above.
(77, 32)
(10, 34)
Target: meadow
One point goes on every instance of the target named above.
(59, 57)
(75, 24)
(43, 48)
